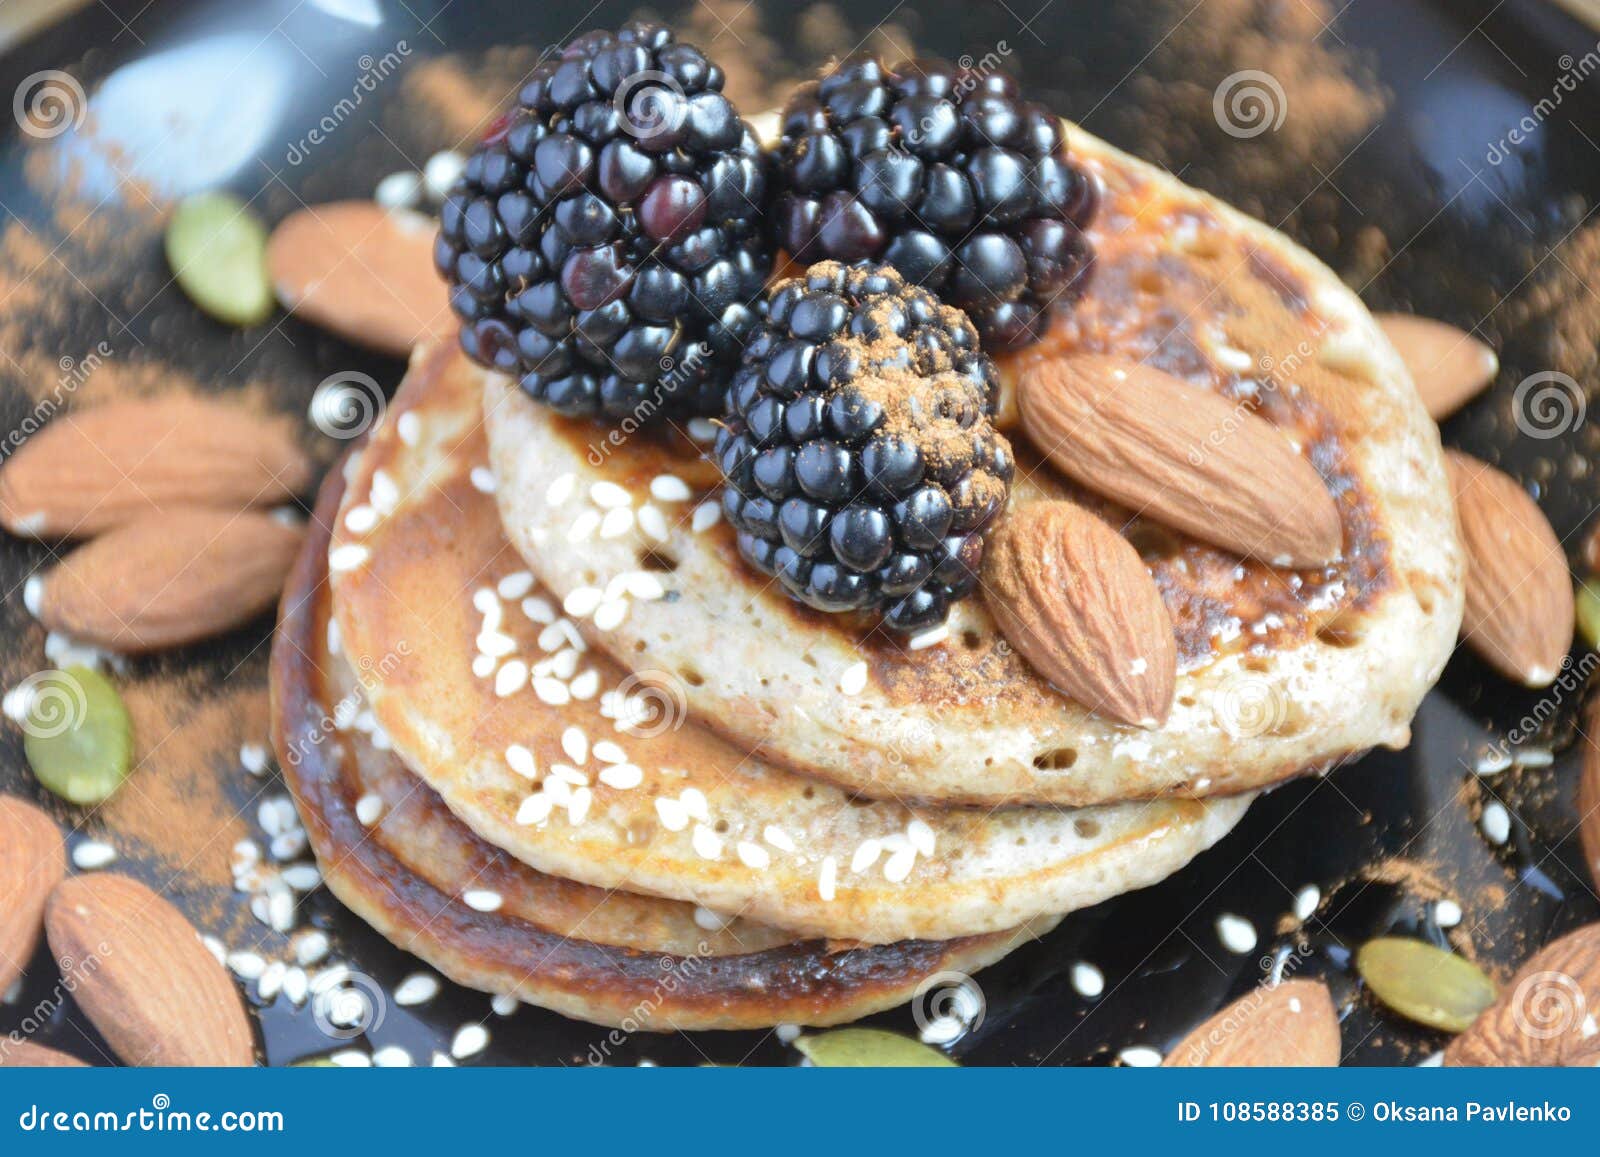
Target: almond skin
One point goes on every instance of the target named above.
(1182, 455)
(1519, 606)
(1449, 366)
(170, 580)
(24, 1054)
(1544, 1016)
(92, 470)
(143, 977)
(362, 271)
(1077, 601)
(1293, 1024)
(33, 859)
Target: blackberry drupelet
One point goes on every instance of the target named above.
(606, 239)
(945, 174)
(860, 461)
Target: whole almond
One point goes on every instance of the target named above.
(1546, 1015)
(1076, 600)
(362, 271)
(1185, 456)
(25, 1054)
(1519, 605)
(1589, 793)
(33, 859)
(171, 579)
(1292, 1024)
(103, 467)
(1449, 366)
(142, 976)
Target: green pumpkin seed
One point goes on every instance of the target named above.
(870, 1048)
(218, 252)
(1424, 983)
(77, 736)
(1589, 613)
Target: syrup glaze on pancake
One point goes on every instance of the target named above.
(419, 557)
(613, 958)
(1280, 671)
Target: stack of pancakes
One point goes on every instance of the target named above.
(549, 733)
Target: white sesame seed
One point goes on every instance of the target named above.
(1140, 1057)
(280, 910)
(1491, 761)
(1237, 934)
(581, 602)
(922, 837)
(928, 639)
(866, 855)
(674, 817)
(495, 644)
(585, 684)
(485, 601)
(642, 584)
(521, 761)
(578, 808)
(311, 948)
(787, 1033)
(33, 594)
(351, 1059)
(694, 802)
(576, 744)
(709, 920)
(470, 1039)
(1306, 901)
(503, 1004)
(441, 1061)
(1496, 822)
(538, 610)
(441, 171)
(360, 519)
(511, 678)
(288, 846)
(825, 879)
(409, 427)
(707, 844)
(561, 489)
(654, 523)
(514, 585)
(347, 557)
(609, 616)
(271, 981)
(753, 855)
(418, 988)
(608, 752)
(91, 855)
(584, 526)
(559, 791)
(609, 496)
(616, 523)
(482, 899)
(622, 776)
(669, 488)
(569, 774)
(778, 838)
(334, 640)
(391, 1057)
(706, 515)
(296, 985)
(1089, 981)
(1534, 757)
(253, 758)
(484, 665)
(246, 965)
(482, 479)
(302, 877)
(551, 691)
(385, 494)
(899, 865)
(215, 947)
(535, 809)
(854, 679)
(368, 809)
(1447, 913)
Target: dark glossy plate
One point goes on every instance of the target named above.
(1385, 149)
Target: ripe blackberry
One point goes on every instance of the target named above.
(605, 240)
(860, 461)
(945, 174)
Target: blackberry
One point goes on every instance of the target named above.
(605, 239)
(860, 461)
(945, 174)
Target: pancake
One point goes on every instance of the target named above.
(609, 957)
(1279, 672)
(440, 617)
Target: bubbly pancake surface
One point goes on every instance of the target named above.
(611, 957)
(1280, 671)
(491, 697)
